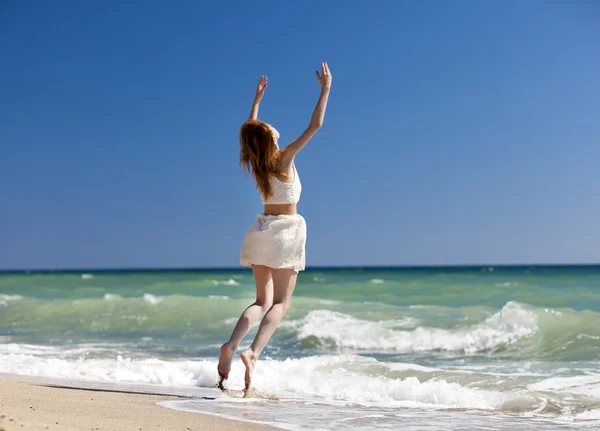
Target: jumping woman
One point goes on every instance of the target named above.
(274, 245)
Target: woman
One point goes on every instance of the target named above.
(274, 246)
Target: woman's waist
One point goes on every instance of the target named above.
(280, 209)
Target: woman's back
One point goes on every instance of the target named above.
(284, 192)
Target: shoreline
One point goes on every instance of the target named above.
(47, 404)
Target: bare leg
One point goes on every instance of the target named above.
(264, 300)
(284, 282)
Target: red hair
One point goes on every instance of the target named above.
(259, 153)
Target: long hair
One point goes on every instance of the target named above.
(258, 153)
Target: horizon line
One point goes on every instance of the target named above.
(309, 268)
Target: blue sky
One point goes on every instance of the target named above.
(457, 132)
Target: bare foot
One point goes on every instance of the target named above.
(249, 360)
(225, 359)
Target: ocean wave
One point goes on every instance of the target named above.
(118, 370)
(516, 330)
(321, 377)
(351, 378)
(153, 299)
(580, 385)
(342, 378)
(148, 297)
(509, 325)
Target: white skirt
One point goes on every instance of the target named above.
(276, 241)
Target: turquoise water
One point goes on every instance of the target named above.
(515, 341)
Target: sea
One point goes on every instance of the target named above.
(436, 348)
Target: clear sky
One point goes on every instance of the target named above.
(460, 132)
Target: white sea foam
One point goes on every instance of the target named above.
(148, 297)
(509, 325)
(32, 349)
(337, 380)
(581, 385)
(230, 282)
(377, 281)
(321, 377)
(58, 352)
(10, 297)
(87, 276)
(223, 297)
(154, 300)
(5, 299)
(507, 284)
(588, 415)
(119, 369)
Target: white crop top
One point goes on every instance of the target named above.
(284, 193)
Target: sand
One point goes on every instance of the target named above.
(44, 405)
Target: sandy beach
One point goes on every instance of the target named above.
(45, 405)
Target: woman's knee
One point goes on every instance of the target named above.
(264, 303)
(285, 305)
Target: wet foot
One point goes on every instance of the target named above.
(225, 359)
(249, 360)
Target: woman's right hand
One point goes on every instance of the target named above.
(325, 77)
(260, 88)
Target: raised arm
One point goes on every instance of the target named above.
(316, 121)
(260, 91)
